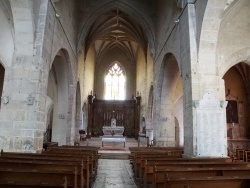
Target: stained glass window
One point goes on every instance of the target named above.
(115, 81)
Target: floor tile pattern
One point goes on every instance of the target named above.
(114, 174)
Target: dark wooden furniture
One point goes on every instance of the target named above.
(126, 113)
(56, 160)
(165, 167)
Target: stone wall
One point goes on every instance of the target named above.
(233, 40)
(89, 72)
(29, 74)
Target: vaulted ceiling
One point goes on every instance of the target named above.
(115, 29)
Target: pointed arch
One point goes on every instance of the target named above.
(165, 101)
(6, 34)
(140, 17)
(207, 30)
(59, 85)
(237, 93)
(24, 27)
(115, 82)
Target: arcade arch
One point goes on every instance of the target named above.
(168, 96)
(58, 92)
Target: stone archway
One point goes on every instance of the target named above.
(166, 85)
(58, 92)
(233, 60)
(237, 90)
(178, 112)
(233, 40)
(24, 31)
(210, 27)
(6, 34)
(133, 11)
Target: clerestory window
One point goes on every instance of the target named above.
(115, 81)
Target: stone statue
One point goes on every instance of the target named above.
(113, 122)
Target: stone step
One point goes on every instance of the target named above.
(121, 156)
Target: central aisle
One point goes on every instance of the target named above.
(113, 173)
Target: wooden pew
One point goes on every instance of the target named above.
(85, 177)
(77, 150)
(171, 152)
(139, 157)
(147, 167)
(45, 165)
(161, 178)
(149, 174)
(65, 154)
(93, 159)
(49, 144)
(82, 150)
(90, 157)
(37, 178)
(140, 160)
(90, 150)
(136, 150)
(208, 182)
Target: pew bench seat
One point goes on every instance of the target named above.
(207, 182)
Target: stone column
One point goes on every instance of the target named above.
(22, 118)
(189, 74)
(204, 113)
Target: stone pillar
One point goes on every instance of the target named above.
(22, 115)
(204, 112)
(22, 118)
(189, 74)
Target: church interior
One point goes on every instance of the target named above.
(163, 77)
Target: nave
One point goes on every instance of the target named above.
(91, 165)
(114, 168)
(114, 173)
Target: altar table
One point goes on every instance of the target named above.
(114, 140)
(113, 130)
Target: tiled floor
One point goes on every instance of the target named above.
(113, 173)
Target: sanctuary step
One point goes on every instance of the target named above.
(120, 156)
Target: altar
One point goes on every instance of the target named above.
(113, 130)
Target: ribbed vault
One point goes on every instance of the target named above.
(115, 29)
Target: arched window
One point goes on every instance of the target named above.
(115, 83)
